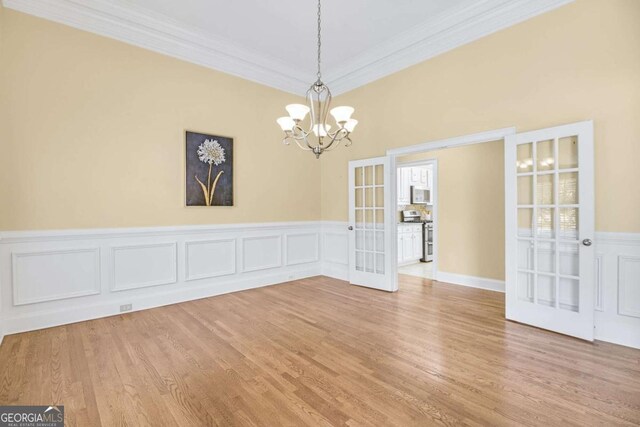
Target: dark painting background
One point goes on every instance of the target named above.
(223, 195)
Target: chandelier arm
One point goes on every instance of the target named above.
(305, 139)
(307, 148)
(298, 133)
(311, 147)
(336, 137)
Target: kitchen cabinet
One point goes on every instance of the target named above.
(409, 243)
(416, 240)
(417, 176)
(404, 178)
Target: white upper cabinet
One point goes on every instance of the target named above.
(421, 176)
(415, 175)
(404, 182)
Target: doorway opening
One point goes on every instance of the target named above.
(467, 228)
(417, 183)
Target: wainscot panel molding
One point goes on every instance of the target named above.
(49, 275)
(261, 252)
(209, 258)
(335, 249)
(629, 286)
(617, 316)
(141, 266)
(302, 248)
(50, 278)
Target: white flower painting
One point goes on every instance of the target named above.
(212, 153)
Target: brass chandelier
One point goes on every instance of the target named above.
(318, 104)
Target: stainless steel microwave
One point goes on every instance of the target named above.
(420, 196)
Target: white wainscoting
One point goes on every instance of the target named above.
(50, 275)
(209, 258)
(51, 278)
(335, 249)
(141, 266)
(302, 248)
(617, 314)
(261, 252)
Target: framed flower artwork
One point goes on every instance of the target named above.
(209, 170)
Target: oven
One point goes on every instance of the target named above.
(427, 234)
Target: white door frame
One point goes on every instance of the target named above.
(393, 154)
(434, 208)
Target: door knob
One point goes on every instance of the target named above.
(587, 242)
(350, 228)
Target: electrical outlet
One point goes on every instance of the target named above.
(125, 307)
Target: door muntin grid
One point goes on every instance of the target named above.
(369, 215)
(548, 222)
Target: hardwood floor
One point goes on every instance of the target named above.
(321, 352)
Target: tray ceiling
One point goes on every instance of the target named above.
(273, 41)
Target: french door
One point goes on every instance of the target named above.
(370, 249)
(549, 201)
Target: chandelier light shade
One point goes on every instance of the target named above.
(315, 134)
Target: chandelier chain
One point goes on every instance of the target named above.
(319, 42)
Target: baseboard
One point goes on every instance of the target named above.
(471, 281)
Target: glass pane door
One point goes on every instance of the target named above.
(368, 200)
(551, 265)
(369, 225)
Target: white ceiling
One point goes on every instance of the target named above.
(273, 41)
(286, 29)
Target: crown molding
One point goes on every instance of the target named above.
(434, 37)
(159, 33)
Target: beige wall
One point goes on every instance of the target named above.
(579, 62)
(470, 209)
(91, 129)
(92, 135)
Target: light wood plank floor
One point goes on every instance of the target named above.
(321, 352)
